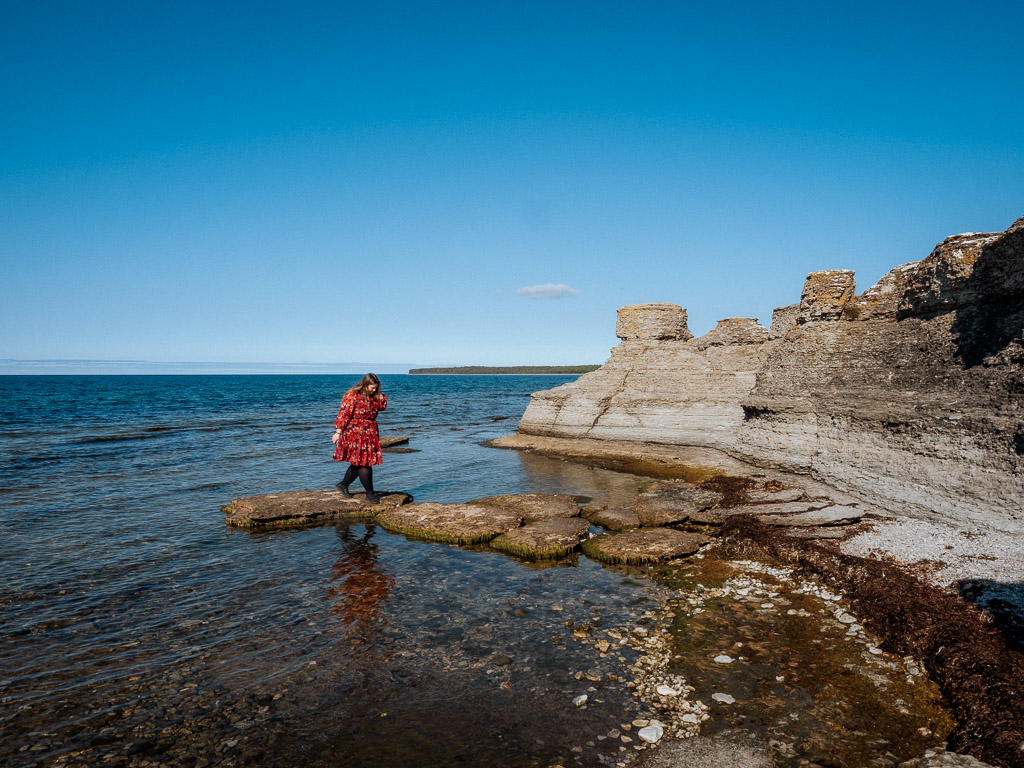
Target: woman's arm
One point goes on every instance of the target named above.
(348, 406)
(383, 402)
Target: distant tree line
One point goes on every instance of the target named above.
(510, 369)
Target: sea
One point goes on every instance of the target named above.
(138, 629)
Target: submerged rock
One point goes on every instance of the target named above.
(449, 523)
(296, 508)
(533, 506)
(673, 502)
(543, 539)
(643, 545)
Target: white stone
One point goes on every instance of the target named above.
(723, 659)
(651, 734)
(723, 698)
(666, 690)
(580, 700)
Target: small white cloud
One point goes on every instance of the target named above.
(547, 291)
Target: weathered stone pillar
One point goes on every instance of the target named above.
(652, 321)
(825, 294)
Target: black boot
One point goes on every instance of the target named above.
(366, 478)
(350, 475)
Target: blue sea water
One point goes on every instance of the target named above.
(138, 629)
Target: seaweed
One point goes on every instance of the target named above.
(980, 676)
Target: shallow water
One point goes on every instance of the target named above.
(138, 629)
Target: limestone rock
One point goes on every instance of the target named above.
(940, 758)
(765, 496)
(909, 397)
(533, 506)
(834, 515)
(543, 540)
(673, 502)
(829, 532)
(652, 321)
(449, 523)
(387, 441)
(732, 747)
(298, 508)
(643, 545)
(731, 331)
(783, 318)
(614, 518)
(825, 295)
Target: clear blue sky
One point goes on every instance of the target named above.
(379, 181)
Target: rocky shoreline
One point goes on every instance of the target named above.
(908, 396)
(682, 521)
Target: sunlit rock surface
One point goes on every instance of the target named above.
(909, 396)
(297, 508)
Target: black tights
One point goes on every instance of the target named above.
(365, 475)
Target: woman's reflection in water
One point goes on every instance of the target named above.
(359, 584)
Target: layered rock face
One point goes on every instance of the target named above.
(660, 384)
(910, 395)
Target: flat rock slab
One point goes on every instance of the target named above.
(719, 515)
(387, 441)
(673, 502)
(614, 518)
(545, 539)
(295, 508)
(533, 506)
(449, 523)
(643, 545)
(836, 515)
(764, 496)
(830, 532)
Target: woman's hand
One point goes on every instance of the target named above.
(336, 437)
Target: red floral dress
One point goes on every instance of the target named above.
(360, 442)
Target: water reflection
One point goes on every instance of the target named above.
(359, 584)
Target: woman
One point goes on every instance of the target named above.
(356, 437)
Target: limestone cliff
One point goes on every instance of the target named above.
(910, 395)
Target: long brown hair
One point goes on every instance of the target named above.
(364, 384)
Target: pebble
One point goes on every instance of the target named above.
(723, 698)
(723, 659)
(652, 733)
(666, 690)
(580, 700)
(844, 617)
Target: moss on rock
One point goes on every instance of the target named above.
(544, 539)
(449, 523)
(643, 545)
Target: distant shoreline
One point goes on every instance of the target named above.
(513, 370)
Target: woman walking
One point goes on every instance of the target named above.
(356, 436)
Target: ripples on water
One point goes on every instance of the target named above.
(137, 629)
(136, 624)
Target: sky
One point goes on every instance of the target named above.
(472, 183)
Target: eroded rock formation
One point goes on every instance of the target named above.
(909, 396)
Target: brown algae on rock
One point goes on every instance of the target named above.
(748, 642)
(449, 523)
(544, 539)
